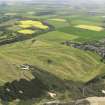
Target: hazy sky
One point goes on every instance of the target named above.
(51, 0)
(98, 1)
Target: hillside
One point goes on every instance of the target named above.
(61, 67)
(35, 64)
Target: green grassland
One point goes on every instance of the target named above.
(85, 19)
(83, 34)
(64, 70)
(58, 24)
(56, 37)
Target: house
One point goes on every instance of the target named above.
(25, 67)
(52, 95)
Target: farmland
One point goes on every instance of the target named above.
(33, 60)
(83, 34)
(30, 23)
(59, 20)
(26, 31)
(93, 28)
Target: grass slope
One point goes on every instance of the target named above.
(67, 64)
(65, 61)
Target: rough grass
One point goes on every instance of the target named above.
(67, 64)
(65, 61)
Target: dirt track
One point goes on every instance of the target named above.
(86, 101)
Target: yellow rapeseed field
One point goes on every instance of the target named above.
(26, 31)
(58, 19)
(31, 23)
(90, 27)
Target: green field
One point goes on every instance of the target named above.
(83, 34)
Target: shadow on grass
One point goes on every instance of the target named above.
(22, 90)
(36, 88)
(42, 83)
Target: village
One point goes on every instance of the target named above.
(97, 47)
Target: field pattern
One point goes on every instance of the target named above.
(34, 60)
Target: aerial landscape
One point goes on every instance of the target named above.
(52, 52)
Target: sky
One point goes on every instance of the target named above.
(49, 0)
(72, 1)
